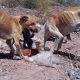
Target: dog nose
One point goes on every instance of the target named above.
(38, 26)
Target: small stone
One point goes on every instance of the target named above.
(0, 70)
(78, 77)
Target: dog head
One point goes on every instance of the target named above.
(29, 21)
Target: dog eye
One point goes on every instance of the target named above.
(32, 23)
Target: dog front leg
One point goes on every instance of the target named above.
(18, 49)
(58, 42)
(58, 38)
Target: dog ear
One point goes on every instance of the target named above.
(23, 19)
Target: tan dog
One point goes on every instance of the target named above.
(11, 29)
(59, 24)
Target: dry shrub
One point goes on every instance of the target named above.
(40, 4)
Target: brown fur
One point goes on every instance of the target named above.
(64, 23)
(60, 24)
(11, 29)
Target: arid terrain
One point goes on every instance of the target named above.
(67, 69)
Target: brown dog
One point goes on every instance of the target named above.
(59, 24)
(11, 29)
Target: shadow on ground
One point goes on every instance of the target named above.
(64, 54)
(5, 56)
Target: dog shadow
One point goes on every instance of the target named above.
(66, 55)
(5, 56)
(34, 52)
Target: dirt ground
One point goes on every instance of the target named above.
(69, 55)
(22, 70)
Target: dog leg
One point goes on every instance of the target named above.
(18, 50)
(10, 44)
(58, 37)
